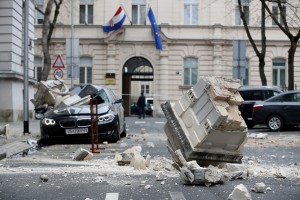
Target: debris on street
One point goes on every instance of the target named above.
(82, 154)
(44, 178)
(259, 188)
(258, 135)
(14, 148)
(4, 130)
(240, 192)
(133, 157)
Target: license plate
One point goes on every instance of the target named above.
(77, 131)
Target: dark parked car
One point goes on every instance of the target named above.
(252, 94)
(74, 122)
(135, 110)
(279, 111)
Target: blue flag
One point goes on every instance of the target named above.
(155, 29)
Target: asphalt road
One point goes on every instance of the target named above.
(101, 178)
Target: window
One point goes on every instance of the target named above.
(85, 75)
(279, 72)
(86, 12)
(246, 78)
(190, 71)
(138, 11)
(245, 8)
(38, 67)
(145, 87)
(190, 12)
(39, 17)
(276, 13)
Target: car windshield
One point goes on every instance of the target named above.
(102, 96)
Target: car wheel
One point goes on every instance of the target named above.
(275, 123)
(116, 136)
(123, 134)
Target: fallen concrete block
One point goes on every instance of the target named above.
(14, 148)
(82, 154)
(240, 192)
(205, 124)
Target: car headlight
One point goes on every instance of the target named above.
(106, 118)
(48, 122)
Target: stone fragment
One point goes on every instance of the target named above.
(214, 175)
(44, 178)
(240, 192)
(259, 188)
(147, 187)
(148, 161)
(186, 175)
(138, 162)
(82, 154)
(279, 173)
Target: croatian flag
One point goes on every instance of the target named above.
(116, 22)
(151, 17)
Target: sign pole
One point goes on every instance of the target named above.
(25, 91)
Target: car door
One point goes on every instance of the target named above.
(291, 108)
(117, 103)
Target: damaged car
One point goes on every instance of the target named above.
(73, 123)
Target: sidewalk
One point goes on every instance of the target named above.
(16, 129)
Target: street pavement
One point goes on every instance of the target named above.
(102, 178)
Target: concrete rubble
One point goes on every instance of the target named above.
(240, 192)
(205, 126)
(133, 157)
(259, 188)
(82, 154)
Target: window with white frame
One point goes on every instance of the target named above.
(85, 68)
(38, 67)
(190, 71)
(190, 12)
(145, 87)
(86, 12)
(245, 8)
(138, 11)
(39, 17)
(276, 13)
(279, 72)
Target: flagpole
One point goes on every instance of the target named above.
(147, 11)
(126, 14)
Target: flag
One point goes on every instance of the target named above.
(151, 17)
(116, 21)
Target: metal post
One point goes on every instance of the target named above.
(25, 93)
(72, 37)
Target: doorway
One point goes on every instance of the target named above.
(136, 70)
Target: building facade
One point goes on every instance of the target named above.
(12, 59)
(199, 38)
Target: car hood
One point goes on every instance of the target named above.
(78, 110)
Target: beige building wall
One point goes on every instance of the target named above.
(210, 42)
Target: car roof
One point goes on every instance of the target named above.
(290, 91)
(261, 87)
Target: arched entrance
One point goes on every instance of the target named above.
(135, 71)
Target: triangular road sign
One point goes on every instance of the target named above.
(58, 63)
